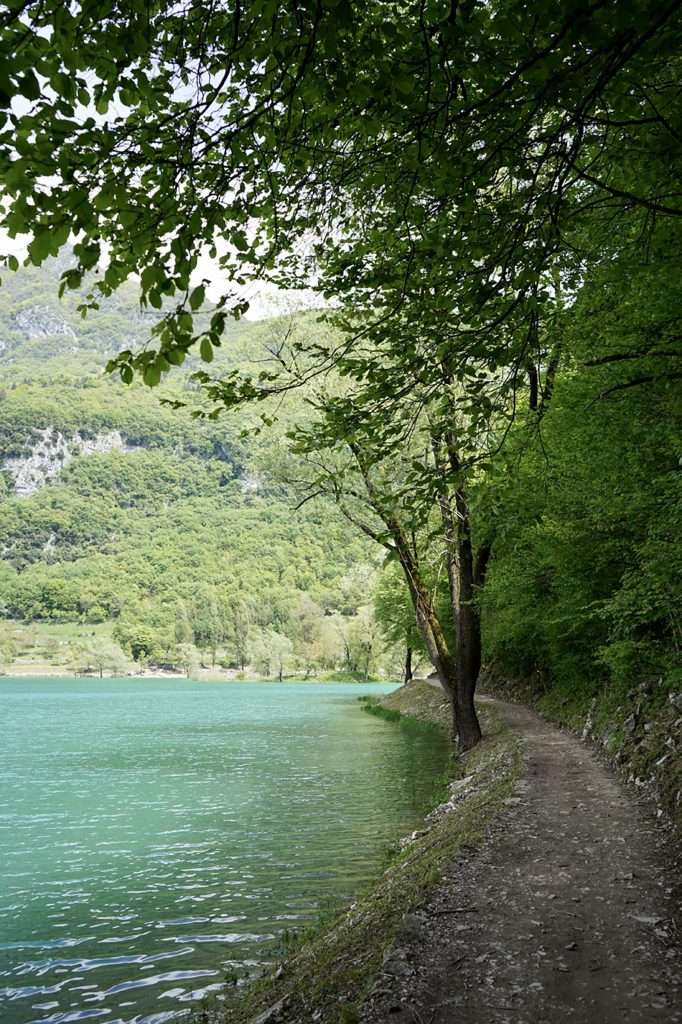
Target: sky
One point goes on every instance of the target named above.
(266, 300)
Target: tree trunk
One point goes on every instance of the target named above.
(468, 657)
(468, 628)
(457, 674)
(408, 664)
(429, 626)
(533, 385)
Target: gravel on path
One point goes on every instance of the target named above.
(567, 913)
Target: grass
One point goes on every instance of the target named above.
(49, 645)
(407, 723)
(340, 676)
(330, 973)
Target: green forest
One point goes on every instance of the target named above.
(342, 343)
(175, 543)
(486, 403)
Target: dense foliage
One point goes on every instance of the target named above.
(489, 198)
(177, 537)
(586, 582)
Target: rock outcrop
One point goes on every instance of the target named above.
(52, 451)
(43, 322)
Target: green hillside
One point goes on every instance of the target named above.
(116, 509)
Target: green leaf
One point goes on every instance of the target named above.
(29, 86)
(152, 375)
(196, 299)
(176, 356)
(206, 350)
(39, 247)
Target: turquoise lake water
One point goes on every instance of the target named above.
(156, 835)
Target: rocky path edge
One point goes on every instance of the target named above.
(567, 913)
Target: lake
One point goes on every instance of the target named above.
(158, 835)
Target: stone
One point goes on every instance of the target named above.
(410, 927)
(272, 1013)
(398, 969)
(646, 919)
(51, 452)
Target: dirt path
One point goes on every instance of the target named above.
(564, 915)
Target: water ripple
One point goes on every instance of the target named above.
(151, 840)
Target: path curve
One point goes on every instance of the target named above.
(565, 914)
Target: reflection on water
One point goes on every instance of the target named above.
(156, 834)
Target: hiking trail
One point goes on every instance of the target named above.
(565, 914)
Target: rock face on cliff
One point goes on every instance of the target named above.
(36, 324)
(40, 321)
(52, 451)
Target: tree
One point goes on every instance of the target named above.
(455, 168)
(394, 612)
(477, 142)
(186, 657)
(364, 641)
(209, 625)
(355, 586)
(142, 642)
(104, 657)
(270, 651)
(305, 630)
(398, 454)
(8, 651)
(584, 588)
(184, 633)
(239, 624)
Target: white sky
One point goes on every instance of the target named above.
(266, 300)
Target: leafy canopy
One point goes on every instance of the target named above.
(425, 161)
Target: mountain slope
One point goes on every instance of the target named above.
(115, 507)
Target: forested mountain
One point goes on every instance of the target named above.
(490, 205)
(116, 508)
(471, 449)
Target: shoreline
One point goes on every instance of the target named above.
(332, 969)
(54, 672)
(211, 676)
